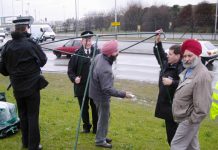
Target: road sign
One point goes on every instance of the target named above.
(115, 23)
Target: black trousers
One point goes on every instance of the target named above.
(85, 113)
(28, 111)
(171, 127)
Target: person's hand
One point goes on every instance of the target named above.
(129, 95)
(157, 38)
(167, 81)
(77, 80)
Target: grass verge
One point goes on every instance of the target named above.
(132, 123)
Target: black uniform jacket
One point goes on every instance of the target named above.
(21, 59)
(79, 66)
(165, 97)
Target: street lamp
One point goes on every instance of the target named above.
(2, 7)
(76, 29)
(115, 17)
(215, 21)
(21, 6)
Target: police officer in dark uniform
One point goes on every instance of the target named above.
(78, 70)
(21, 59)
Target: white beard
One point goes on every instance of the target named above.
(192, 65)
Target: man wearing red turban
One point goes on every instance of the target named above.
(192, 99)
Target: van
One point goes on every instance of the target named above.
(2, 33)
(36, 32)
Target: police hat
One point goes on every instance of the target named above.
(87, 34)
(22, 21)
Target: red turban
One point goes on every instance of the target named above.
(191, 45)
(110, 47)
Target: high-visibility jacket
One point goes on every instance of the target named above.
(214, 106)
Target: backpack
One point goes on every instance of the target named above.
(9, 121)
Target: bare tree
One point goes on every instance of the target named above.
(174, 14)
(156, 18)
(186, 18)
(133, 17)
(204, 15)
(69, 24)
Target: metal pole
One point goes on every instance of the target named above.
(35, 14)
(215, 21)
(76, 29)
(22, 7)
(2, 7)
(12, 7)
(115, 16)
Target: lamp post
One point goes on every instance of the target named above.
(115, 16)
(2, 7)
(215, 21)
(12, 1)
(21, 6)
(76, 29)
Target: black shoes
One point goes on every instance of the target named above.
(105, 145)
(94, 131)
(40, 147)
(85, 131)
(108, 140)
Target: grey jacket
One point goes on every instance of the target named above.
(101, 81)
(192, 99)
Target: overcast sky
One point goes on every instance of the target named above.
(63, 9)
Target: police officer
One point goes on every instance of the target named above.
(21, 59)
(78, 70)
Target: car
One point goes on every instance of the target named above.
(209, 52)
(1, 39)
(2, 33)
(68, 48)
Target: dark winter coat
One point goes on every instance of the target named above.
(21, 59)
(165, 97)
(79, 66)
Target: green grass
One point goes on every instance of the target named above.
(132, 123)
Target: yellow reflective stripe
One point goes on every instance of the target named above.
(213, 111)
(215, 91)
(215, 96)
(216, 87)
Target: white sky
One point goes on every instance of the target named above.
(61, 10)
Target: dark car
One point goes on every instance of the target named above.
(68, 48)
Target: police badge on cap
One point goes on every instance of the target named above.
(87, 34)
(21, 21)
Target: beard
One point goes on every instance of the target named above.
(192, 64)
(113, 58)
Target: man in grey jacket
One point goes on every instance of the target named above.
(192, 99)
(101, 89)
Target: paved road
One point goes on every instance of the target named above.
(141, 67)
(128, 66)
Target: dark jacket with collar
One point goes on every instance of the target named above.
(79, 66)
(165, 97)
(22, 58)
